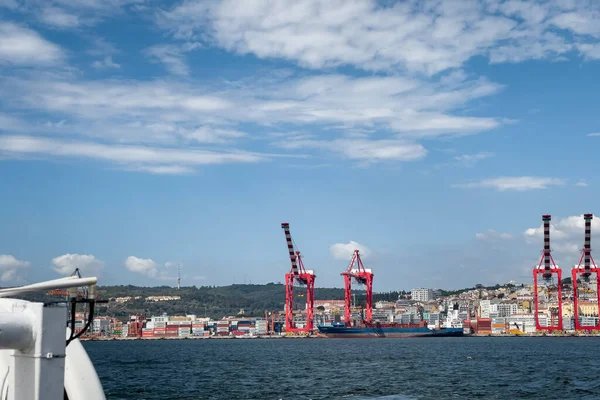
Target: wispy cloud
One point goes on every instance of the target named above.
(171, 56)
(594, 134)
(518, 183)
(492, 234)
(151, 159)
(472, 159)
(59, 18)
(10, 4)
(107, 62)
(582, 183)
(368, 119)
(363, 150)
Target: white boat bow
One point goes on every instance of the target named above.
(36, 362)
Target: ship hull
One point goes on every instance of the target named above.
(387, 332)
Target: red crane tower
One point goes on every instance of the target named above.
(547, 268)
(298, 274)
(362, 276)
(589, 267)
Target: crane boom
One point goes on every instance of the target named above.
(298, 274)
(290, 244)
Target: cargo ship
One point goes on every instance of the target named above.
(451, 328)
(386, 331)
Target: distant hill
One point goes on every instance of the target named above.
(217, 301)
(212, 301)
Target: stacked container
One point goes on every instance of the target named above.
(261, 327)
(498, 326)
(198, 329)
(147, 332)
(484, 326)
(185, 330)
(245, 326)
(172, 330)
(223, 328)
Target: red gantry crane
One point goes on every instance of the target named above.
(298, 274)
(585, 272)
(362, 276)
(547, 268)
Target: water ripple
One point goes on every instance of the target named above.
(357, 369)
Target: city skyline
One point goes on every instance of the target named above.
(139, 137)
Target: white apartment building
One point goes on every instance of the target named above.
(421, 294)
(485, 307)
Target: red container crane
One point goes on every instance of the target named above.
(298, 275)
(362, 276)
(548, 268)
(584, 272)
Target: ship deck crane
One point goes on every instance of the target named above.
(301, 276)
(361, 275)
(585, 271)
(547, 268)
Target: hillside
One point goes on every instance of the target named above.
(215, 301)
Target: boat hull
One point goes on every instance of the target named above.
(387, 332)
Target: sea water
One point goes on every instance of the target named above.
(358, 369)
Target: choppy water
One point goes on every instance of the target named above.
(359, 369)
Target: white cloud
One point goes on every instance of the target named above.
(414, 36)
(171, 56)
(9, 123)
(59, 18)
(151, 269)
(10, 266)
(472, 159)
(566, 236)
(581, 22)
(155, 160)
(23, 46)
(590, 51)
(582, 183)
(9, 4)
(344, 251)
(367, 119)
(363, 150)
(491, 234)
(100, 47)
(519, 183)
(88, 264)
(144, 266)
(594, 134)
(107, 62)
(209, 134)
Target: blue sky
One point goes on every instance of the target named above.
(137, 135)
